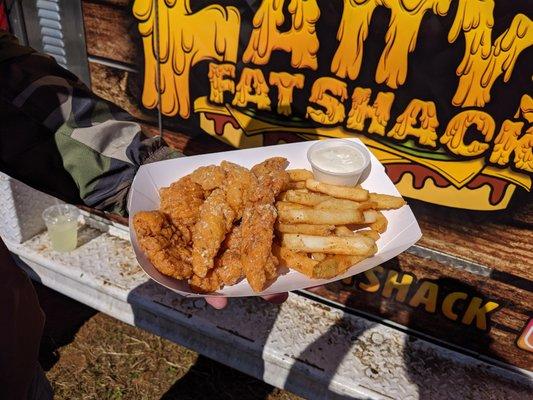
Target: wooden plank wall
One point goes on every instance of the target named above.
(487, 256)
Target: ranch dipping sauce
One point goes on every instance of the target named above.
(338, 161)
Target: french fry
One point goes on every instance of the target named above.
(338, 263)
(296, 175)
(342, 192)
(380, 225)
(343, 231)
(307, 229)
(312, 224)
(386, 202)
(283, 195)
(356, 245)
(294, 215)
(303, 264)
(296, 185)
(367, 205)
(336, 204)
(307, 199)
(318, 256)
(370, 233)
(370, 216)
(284, 205)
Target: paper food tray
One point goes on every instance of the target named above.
(402, 232)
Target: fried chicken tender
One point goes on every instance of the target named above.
(259, 216)
(258, 233)
(209, 178)
(238, 186)
(209, 283)
(209, 232)
(227, 269)
(271, 267)
(163, 244)
(271, 174)
(193, 236)
(182, 201)
(229, 266)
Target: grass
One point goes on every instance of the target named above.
(89, 355)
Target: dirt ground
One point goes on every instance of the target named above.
(88, 355)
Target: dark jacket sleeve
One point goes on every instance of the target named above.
(21, 322)
(59, 137)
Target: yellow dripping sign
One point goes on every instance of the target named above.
(440, 91)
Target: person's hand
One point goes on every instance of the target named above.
(221, 302)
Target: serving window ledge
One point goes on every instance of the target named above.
(311, 349)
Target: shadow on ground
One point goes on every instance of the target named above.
(208, 379)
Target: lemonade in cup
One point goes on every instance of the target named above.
(62, 223)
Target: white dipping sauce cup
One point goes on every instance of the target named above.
(338, 178)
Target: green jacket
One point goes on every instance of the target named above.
(59, 137)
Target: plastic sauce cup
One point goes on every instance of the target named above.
(349, 178)
(62, 223)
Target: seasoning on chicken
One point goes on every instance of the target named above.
(163, 244)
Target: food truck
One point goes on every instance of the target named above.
(440, 92)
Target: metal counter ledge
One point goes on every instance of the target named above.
(312, 349)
